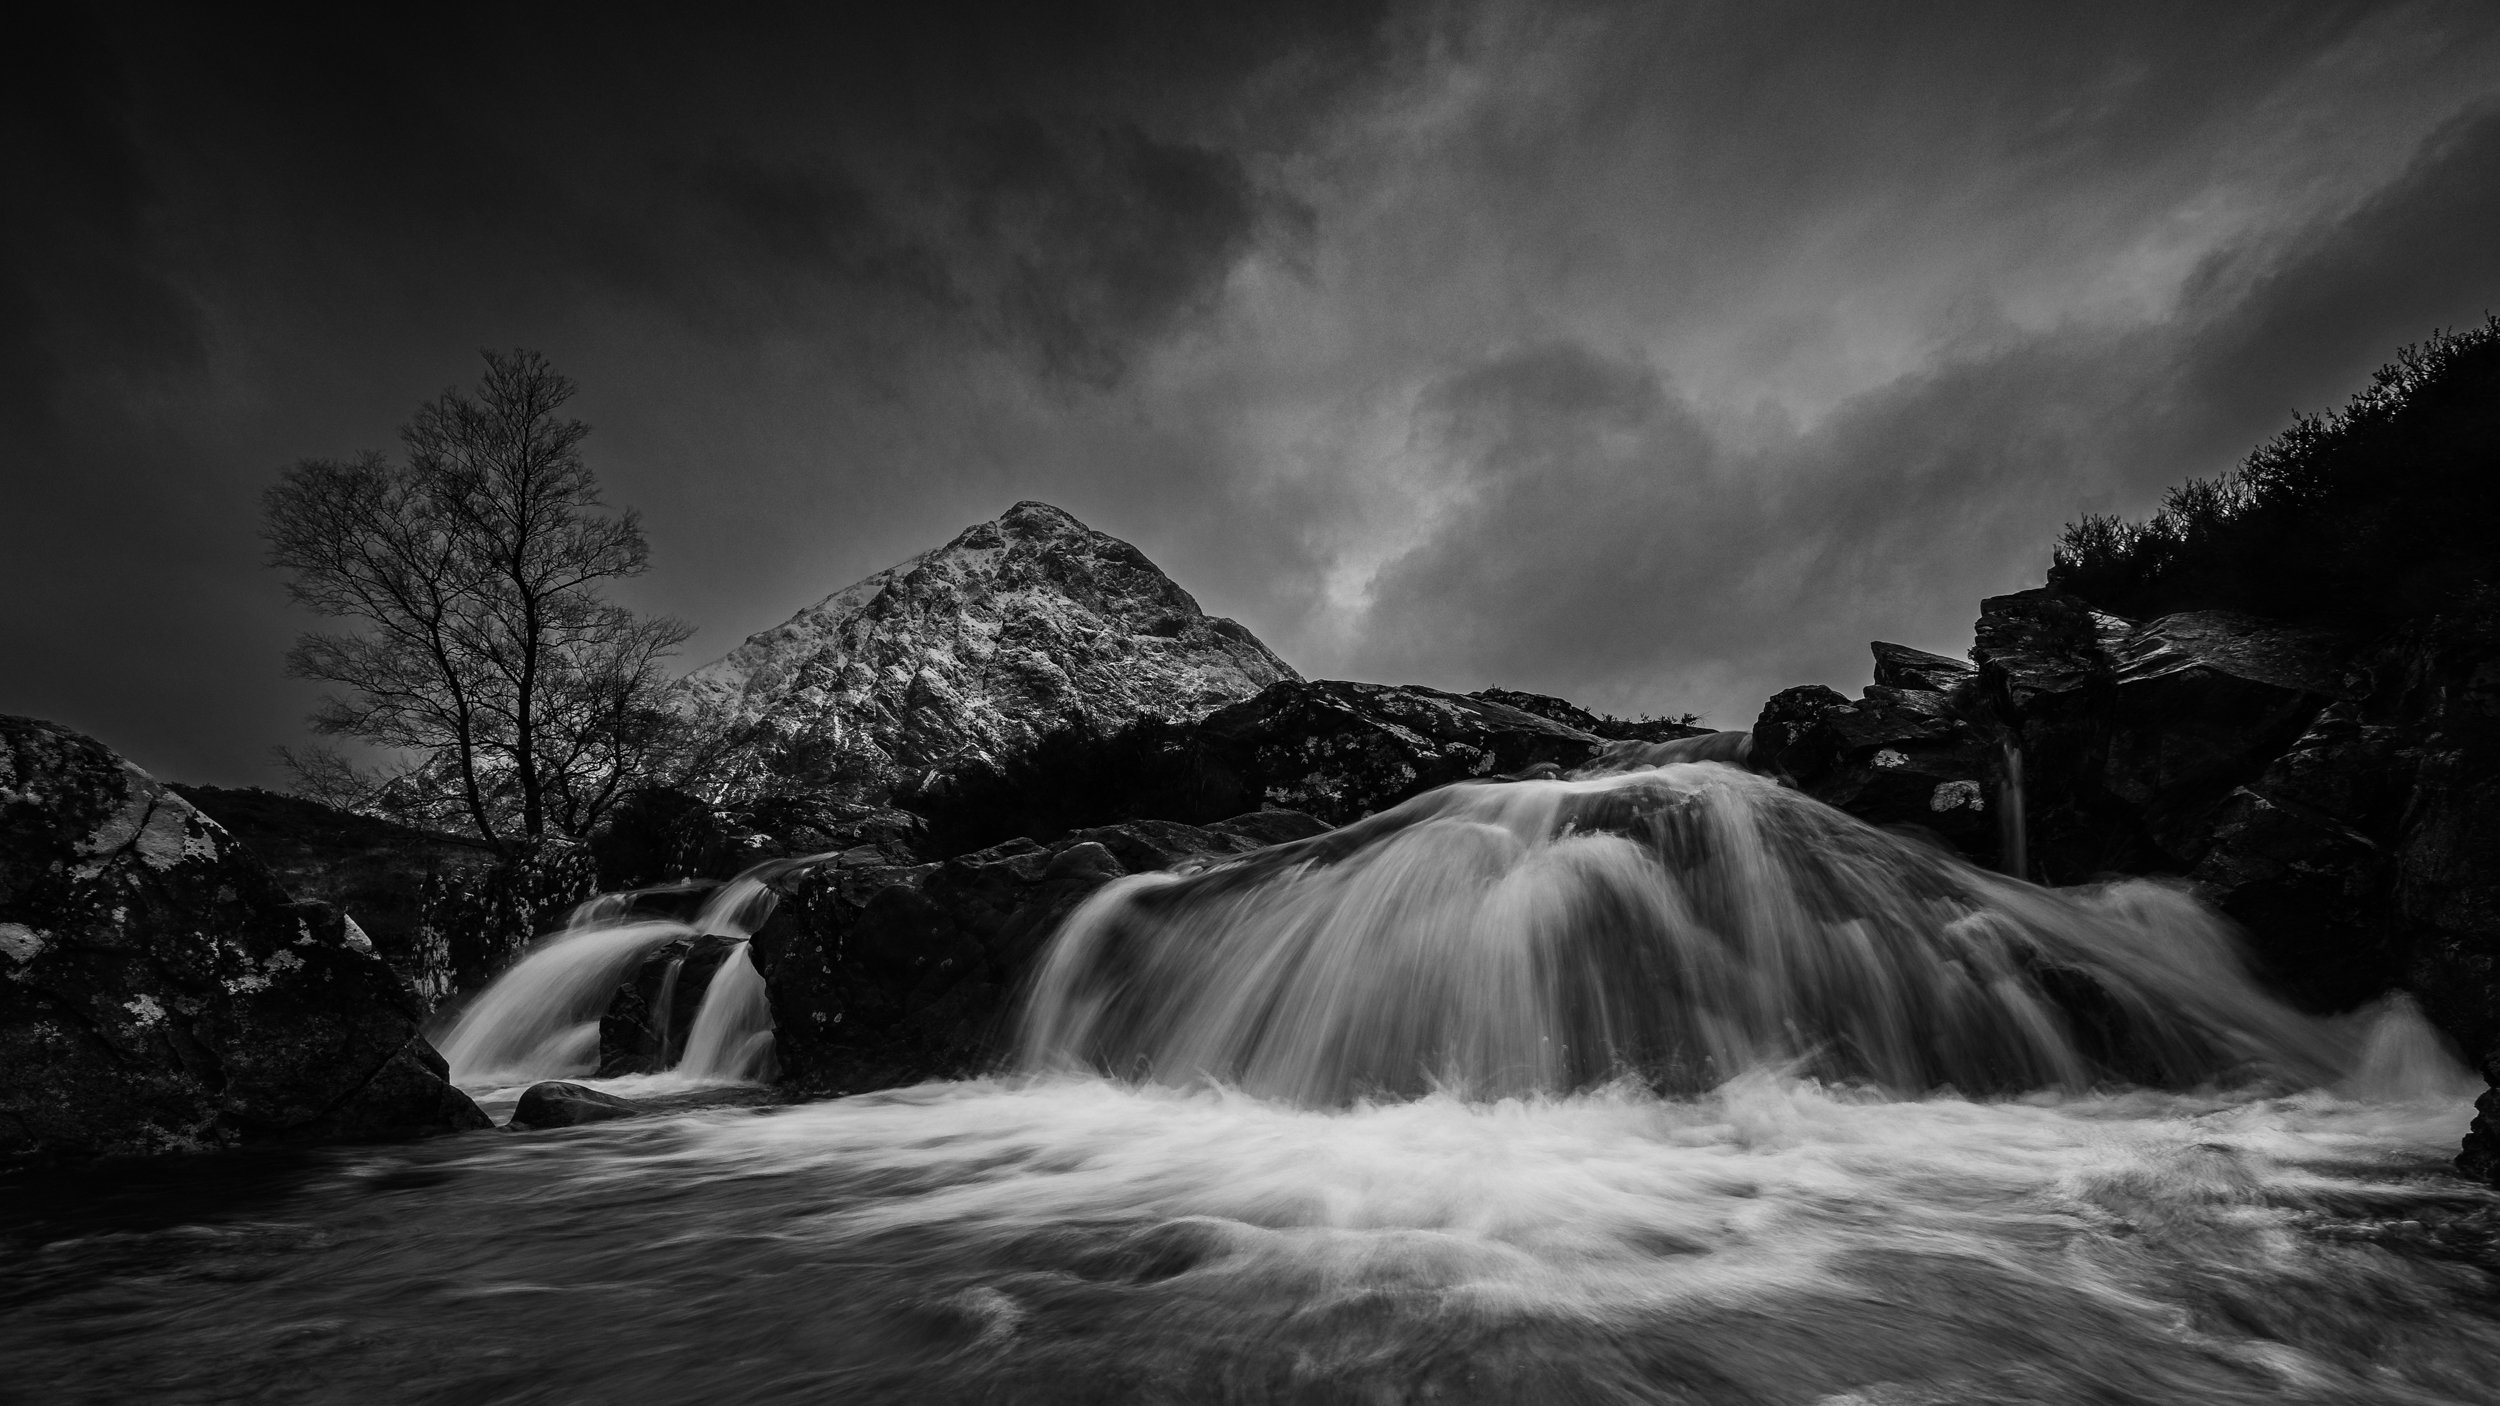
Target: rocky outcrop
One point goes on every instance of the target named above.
(965, 654)
(1341, 751)
(159, 991)
(375, 871)
(662, 836)
(882, 974)
(1607, 726)
(2133, 735)
(2441, 686)
(480, 920)
(645, 1028)
(2338, 797)
(1905, 755)
(2304, 857)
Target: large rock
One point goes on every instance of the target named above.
(2304, 858)
(553, 1103)
(375, 871)
(1899, 666)
(160, 992)
(2134, 734)
(2200, 702)
(1900, 756)
(481, 920)
(1569, 714)
(882, 974)
(966, 654)
(2441, 683)
(1341, 751)
(645, 1028)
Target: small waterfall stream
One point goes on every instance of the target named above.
(540, 1020)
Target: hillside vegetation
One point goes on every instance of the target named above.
(2385, 510)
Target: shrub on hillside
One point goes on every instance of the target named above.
(2383, 510)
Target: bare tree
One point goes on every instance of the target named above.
(483, 652)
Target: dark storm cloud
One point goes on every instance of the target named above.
(79, 285)
(238, 238)
(1656, 355)
(1601, 536)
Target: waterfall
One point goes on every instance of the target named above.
(1683, 924)
(2013, 827)
(540, 1020)
(732, 1036)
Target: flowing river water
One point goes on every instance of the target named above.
(1661, 1088)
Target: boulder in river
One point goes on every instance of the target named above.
(554, 1103)
(645, 1028)
(889, 973)
(159, 991)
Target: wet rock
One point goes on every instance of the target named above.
(645, 1028)
(2304, 859)
(2200, 702)
(1572, 715)
(373, 870)
(2480, 1157)
(483, 919)
(1340, 751)
(1901, 667)
(557, 1104)
(2133, 735)
(884, 973)
(159, 990)
(2441, 683)
(2042, 649)
(1898, 757)
(659, 836)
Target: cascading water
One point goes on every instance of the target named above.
(1683, 924)
(540, 1020)
(2013, 811)
(1661, 1085)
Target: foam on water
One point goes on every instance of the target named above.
(540, 1020)
(1661, 1085)
(1064, 1238)
(1685, 922)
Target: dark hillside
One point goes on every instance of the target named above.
(2386, 510)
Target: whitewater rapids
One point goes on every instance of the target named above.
(1074, 1239)
(1667, 1086)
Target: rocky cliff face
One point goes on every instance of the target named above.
(160, 992)
(967, 653)
(2334, 793)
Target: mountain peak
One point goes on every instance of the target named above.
(967, 652)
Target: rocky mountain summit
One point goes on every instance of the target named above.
(966, 653)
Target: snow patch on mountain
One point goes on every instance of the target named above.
(969, 651)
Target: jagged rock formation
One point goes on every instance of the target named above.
(1570, 714)
(2135, 734)
(159, 991)
(646, 1026)
(968, 652)
(1907, 754)
(1341, 751)
(884, 974)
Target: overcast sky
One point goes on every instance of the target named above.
(1655, 355)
